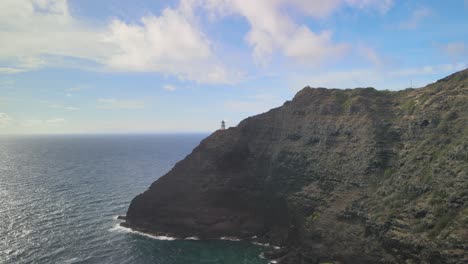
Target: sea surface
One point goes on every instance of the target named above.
(60, 195)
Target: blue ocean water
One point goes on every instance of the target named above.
(60, 195)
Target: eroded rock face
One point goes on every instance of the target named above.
(345, 176)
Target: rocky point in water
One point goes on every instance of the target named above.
(333, 176)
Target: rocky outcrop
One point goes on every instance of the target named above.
(338, 176)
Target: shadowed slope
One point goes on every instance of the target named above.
(357, 176)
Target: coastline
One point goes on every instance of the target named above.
(125, 227)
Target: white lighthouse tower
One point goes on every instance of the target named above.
(223, 125)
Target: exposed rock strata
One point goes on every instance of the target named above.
(345, 176)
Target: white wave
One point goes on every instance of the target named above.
(192, 238)
(230, 238)
(72, 260)
(122, 229)
(262, 256)
(119, 228)
(265, 245)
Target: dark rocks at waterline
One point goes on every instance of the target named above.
(124, 224)
(351, 176)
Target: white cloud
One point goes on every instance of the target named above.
(416, 18)
(44, 33)
(41, 33)
(5, 120)
(55, 121)
(36, 30)
(169, 87)
(112, 103)
(8, 70)
(273, 31)
(170, 43)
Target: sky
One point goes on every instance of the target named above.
(182, 66)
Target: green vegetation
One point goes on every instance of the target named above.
(409, 106)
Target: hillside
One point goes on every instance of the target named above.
(345, 176)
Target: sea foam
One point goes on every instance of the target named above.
(121, 229)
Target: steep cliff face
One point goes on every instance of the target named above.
(345, 176)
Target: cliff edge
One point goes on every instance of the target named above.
(338, 176)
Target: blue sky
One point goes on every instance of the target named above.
(117, 66)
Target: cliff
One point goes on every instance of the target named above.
(339, 176)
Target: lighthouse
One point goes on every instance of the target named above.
(223, 125)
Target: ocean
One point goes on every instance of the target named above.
(60, 196)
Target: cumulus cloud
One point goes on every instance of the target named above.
(273, 30)
(43, 32)
(169, 43)
(112, 103)
(36, 31)
(5, 120)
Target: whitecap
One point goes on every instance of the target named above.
(119, 228)
(230, 238)
(72, 260)
(192, 238)
(260, 244)
(265, 245)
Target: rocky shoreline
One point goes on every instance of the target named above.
(272, 253)
(332, 176)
